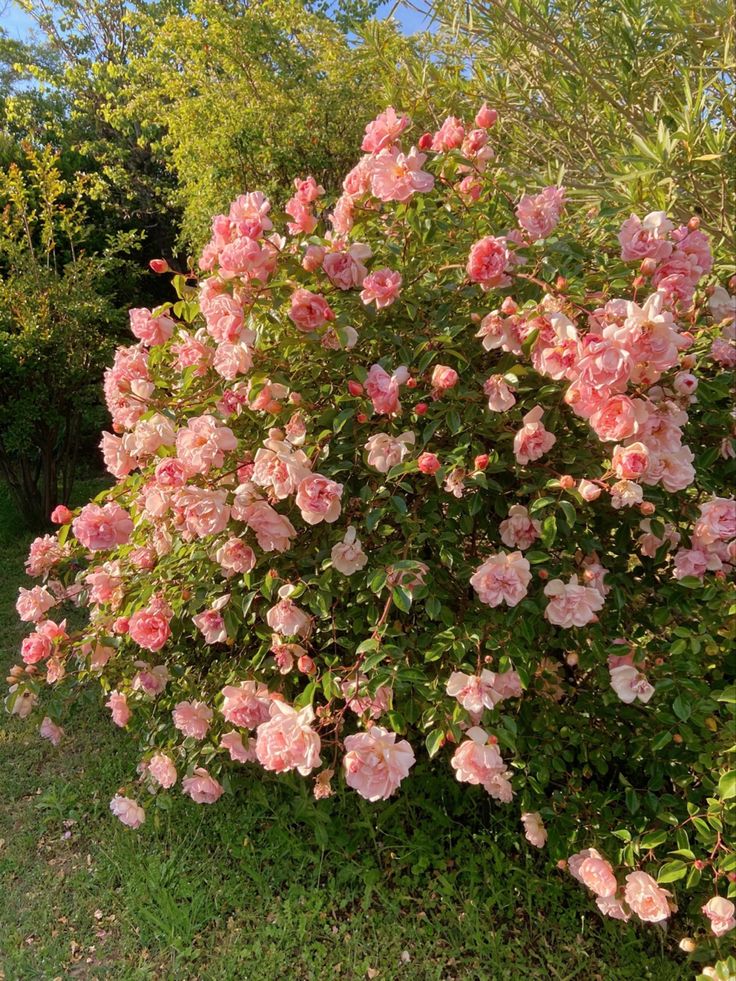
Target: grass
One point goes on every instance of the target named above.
(269, 884)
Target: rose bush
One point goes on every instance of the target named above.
(437, 469)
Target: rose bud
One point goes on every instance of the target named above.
(428, 463)
(485, 117)
(561, 284)
(694, 223)
(61, 515)
(158, 266)
(646, 508)
(648, 267)
(543, 574)
(305, 664)
(420, 408)
(688, 361)
(481, 461)
(567, 482)
(475, 318)
(425, 141)
(638, 281)
(362, 417)
(355, 388)
(509, 306)
(411, 382)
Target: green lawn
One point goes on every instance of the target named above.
(268, 884)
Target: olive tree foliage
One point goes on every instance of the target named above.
(57, 329)
(634, 96)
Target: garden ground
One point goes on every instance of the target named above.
(269, 884)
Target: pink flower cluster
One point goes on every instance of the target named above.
(640, 895)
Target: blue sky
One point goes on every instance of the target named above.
(19, 25)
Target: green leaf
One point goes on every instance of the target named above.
(727, 785)
(653, 839)
(549, 530)
(681, 708)
(672, 871)
(433, 742)
(402, 598)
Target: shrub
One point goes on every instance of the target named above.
(438, 469)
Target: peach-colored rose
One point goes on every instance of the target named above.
(533, 440)
(287, 741)
(162, 770)
(534, 830)
(648, 900)
(205, 511)
(233, 743)
(273, 531)
(127, 811)
(630, 462)
(348, 555)
(33, 604)
(118, 705)
(500, 396)
(201, 787)
(375, 763)
(720, 912)
(235, 557)
(385, 452)
(444, 377)
(570, 604)
(149, 629)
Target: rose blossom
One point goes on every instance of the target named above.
(309, 310)
(383, 389)
(203, 444)
(127, 811)
(205, 511)
(532, 440)
(149, 629)
(348, 555)
(720, 912)
(428, 463)
(201, 787)
(502, 578)
(489, 262)
(99, 528)
(500, 396)
(646, 898)
(273, 531)
(630, 684)
(49, 730)
(594, 871)
(570, 604)
(287, 741)
(630, 462)
(478, 692)
(239, 753)
(397, 176)
(478, 761)
(381, 287)
(61, 515)
(385, 452)
(151, 680)
(346, 269)
(534, 830)
(246, 705)
(318, 499)
(626, 493)
(384, 130)
(33, 604)
(538, 214)
(375, 764)
(149, 329)
(444, 377)
(235, 556)
(118, 705)
(211, 623)
(717, 521)
(647, 238)
(287, 619)
(192, 718)
(519, 530)
(161, 769)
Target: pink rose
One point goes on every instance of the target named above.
(570, 604)
(127, 811)
(489, 263)
(287, 619)
(502, 578)
(532, 441)
(346, 269)
(318, 499)
(309, 310)
(500, 396)
(444, 377)
(203, 444)
(383, 389)
(205, 511)
(118, 705)
(118, 461)
(384, 130)
(99, 528)
(192, 718)
(385, 452)
(646, 899)
(235, 557)
(287, 741)
(630, 684)
(246, 705)
(717, 522)
(375, 764)
(381, 287)
(477, 761)
(33, 604)
(538, 214)
(485, 117)
(534, 830)
(397, 176)
(201, 787)
(588, 490)
(630, 462)
(720, 912)
(239, 753)
(348, 556)
(212, 625)
(519, 530)
(49, 730)
(428, 463)
(615, 419)
(149, 329)
(149, 629)
(61, 515)
(273, 531)
(161, 769)
(647, 238)
(478, 692)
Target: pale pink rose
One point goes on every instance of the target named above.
(61, 515)
(538, 214)
(99, 528)
(346, 269)
(383, 389)
(720, 912)
(161, 769)
(724, 352)
(278, 466)
(149, 629)
(247, 259)
(127, 811)
(717, 521)
(239, 753)
(597, 875)
(693, 562)
(610, 906)
(570, 604)
(630, 684)
(151, 680)
(486, 117)
(33, 604)
(381, 287)
(212, 625)
(318, 499)
(605, 363)
(313, 258)
(478, 692)
(489, 262)
(428, 463)
(500, 396)
(444, 377)
(385, 452)
(305, 221)
(648, 900)
(149, 329)
(502, 578)
(231, 360)
(35, 648)
(588, 490)
(49, 730)
(287, 741)
(630, 462)
(246, 705)
(24, 702)
(649, 543)
(348, 556)
(626, 494)
(722, 306)
(201, 787)
(478, 761)
(532, 441)
(192, 718)
(685, 383)
(273, 531)
(375, 763)
(615, 420)
(118, 461)
(397, 176)
(118, 705)
(205, 511)
(360, 701)
(534, 830)
(342, 216)
(224, 318)
(501, 332)
(647, 238)
(519, 530)
(235, 557)
(449, 136)
(309, 310)
(203, 444)
(170, 473)
(287, 619)
(384, 130)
